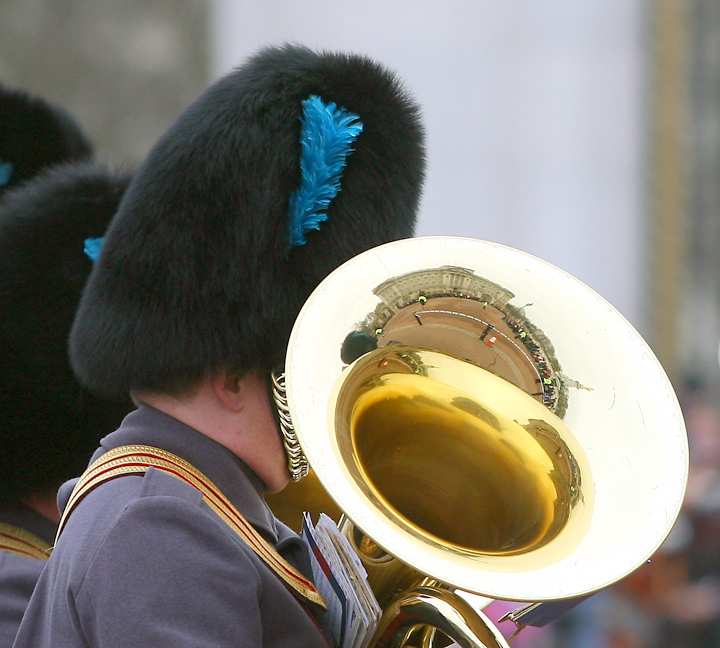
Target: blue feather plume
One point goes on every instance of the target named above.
(92, 248)
(327, 136)
(6, 171)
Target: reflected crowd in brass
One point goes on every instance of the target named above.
(452, 310)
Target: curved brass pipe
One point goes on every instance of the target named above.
(440, 609)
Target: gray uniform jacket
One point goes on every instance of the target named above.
(18, 574)
(143, 561)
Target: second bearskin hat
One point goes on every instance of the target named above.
(49, 423)
(34, 135)
(281, 171)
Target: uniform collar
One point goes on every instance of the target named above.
(148, 426)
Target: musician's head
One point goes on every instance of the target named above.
(35, 135)
(49, 423)
(280, 172)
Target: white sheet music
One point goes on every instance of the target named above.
(353, 611)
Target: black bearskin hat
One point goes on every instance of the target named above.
(199, 271)
(49, 424)
(34, 135)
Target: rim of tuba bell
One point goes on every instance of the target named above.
(486, 418)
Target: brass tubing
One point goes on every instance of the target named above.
(441, 609)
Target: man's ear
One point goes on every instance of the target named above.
(229, 390)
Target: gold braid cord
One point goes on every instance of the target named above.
(136, 459)
(23, 543)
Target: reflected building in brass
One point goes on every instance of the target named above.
(475, 319)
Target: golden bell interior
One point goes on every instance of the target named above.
(438, 459)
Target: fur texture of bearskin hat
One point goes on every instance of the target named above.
(35, 134)
(49, 424)
(195, 275)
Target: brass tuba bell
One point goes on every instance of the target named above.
(484, 418)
